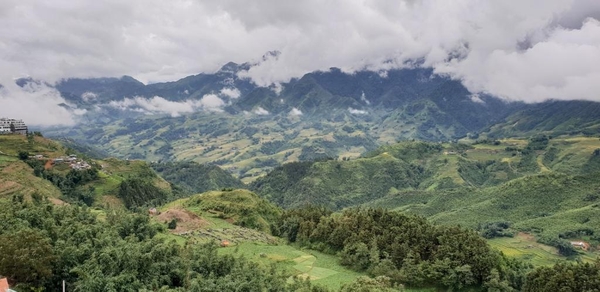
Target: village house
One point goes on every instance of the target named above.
(580, 244)
(18, 125)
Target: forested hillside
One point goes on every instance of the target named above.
(196, 178)
(545, 187)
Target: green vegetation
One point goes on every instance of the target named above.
(564, 277)
(550, 118)
(196, 178)
(404, 248)
(138, 192)
(526, 198)
(322, 269)
(527, 184)
(106, 182)
(43, 244)
(239, 207)
(339, 184)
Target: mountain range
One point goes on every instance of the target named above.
(225, 119)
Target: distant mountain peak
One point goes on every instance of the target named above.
(230, 67)
(127, 78)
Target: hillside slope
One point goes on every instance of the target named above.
(33, 164)
(16, 176)
(419, 166)
(551, 118)
(196, 178)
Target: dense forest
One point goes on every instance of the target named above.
(41, 245)
(412, 251)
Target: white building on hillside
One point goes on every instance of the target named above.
(19, 126)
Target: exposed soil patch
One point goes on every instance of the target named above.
(186, 220)
(48, 164)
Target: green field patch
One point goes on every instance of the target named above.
(524, 247)
(321, 269)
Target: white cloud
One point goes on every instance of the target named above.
(277, 88)
(159, 105)
(261, 111)
(88, 96)
(528, 50)
(364, 98)
(476, 98)
(295, 112)
(79, 112)
(36, 104)
(212, 102)
(357, 111)
(231, 92)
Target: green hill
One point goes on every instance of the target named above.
(546, 187)
(30, 165)
(16, 176)
(550, 118)
(338, 184)
(410, 166)
(196, 178)
(240, 207)
(548, 205)
(403, 166)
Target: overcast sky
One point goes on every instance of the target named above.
(529, 50)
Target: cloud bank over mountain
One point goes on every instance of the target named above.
(529, 50)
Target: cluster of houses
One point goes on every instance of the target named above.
(74, 162)
(10, 126)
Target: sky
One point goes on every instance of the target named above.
(525, 50)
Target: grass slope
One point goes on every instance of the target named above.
(216, 216)
(18, 177)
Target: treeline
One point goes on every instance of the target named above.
(41, 245)
(412, 251)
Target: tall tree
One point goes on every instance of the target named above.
(26, 257)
